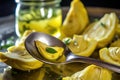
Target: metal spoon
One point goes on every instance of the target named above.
(70, 57)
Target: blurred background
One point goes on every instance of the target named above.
(7, 7)
(98, 3)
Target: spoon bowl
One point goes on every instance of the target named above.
(70, 57)
(45, 38)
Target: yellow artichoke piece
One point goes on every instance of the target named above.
(111, 55)
(20, 42)
(48, 52)
(76, 19)
(103, 30)
(81, 46)
(91, 72)
(17, 57)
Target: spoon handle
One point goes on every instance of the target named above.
(112, 67)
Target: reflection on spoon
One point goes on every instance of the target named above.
(70, 57)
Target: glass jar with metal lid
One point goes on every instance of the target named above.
(39, 15)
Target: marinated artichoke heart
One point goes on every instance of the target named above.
(17, 57)
(48, 52)
(76, 19)
(111, 55)
(81, 46)
(103, 30)
(91, 72)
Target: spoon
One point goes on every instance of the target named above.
(70, 57)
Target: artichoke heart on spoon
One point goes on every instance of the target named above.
(49, 52)
(91, 72)
(103, 30)
(111, 55)
(81, 46)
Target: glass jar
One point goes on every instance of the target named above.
(39, 15)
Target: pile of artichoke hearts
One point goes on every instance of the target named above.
(84, 38)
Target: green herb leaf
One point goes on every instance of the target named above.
(102, 24)
(67, 42)
(50, 50)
